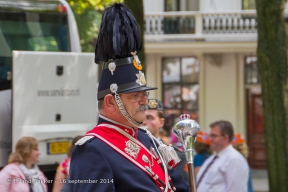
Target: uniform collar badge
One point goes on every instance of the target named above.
(141, 78)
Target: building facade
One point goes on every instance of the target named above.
(202, 57)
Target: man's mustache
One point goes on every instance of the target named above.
(142, 108)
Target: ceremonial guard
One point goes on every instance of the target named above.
(117, 155)
(155, 120)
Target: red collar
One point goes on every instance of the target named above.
(130, 130)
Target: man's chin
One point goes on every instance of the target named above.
(139, 120)
(212, 147)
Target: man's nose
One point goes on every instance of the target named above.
(144, 101)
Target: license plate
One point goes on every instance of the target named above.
(57, 147)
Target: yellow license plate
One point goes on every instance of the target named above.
(57, 147)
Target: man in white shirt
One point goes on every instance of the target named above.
(227, 169)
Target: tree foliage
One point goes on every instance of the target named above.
(272, 61)
(88, 18)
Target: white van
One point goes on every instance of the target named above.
(47, 86)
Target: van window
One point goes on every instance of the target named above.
(30, 31)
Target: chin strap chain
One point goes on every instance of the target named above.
(124, 112)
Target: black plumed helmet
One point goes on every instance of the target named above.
(119, 34)
(117, 46)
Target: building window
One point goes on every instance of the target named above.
(180, 80)
(251, 70)
(248, 4)
(181, 5)
(172, 5)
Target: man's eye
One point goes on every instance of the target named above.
(149, 118)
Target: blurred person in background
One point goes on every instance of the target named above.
(202, 149)
(62, 172)
(226, 170)
(22, 174)
(154, 120)
(240, 145)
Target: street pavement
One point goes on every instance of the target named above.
(260, 180)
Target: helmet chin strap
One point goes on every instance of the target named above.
(124, 112)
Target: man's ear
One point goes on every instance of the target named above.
(109, 102)
(227, 138)
(162, 121)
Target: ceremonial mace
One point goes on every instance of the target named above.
(186, 130)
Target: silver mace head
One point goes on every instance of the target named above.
(186, 131)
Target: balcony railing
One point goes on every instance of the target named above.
(169, 25)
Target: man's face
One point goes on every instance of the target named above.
(153, 122)
(135, 104)
(218, 141)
